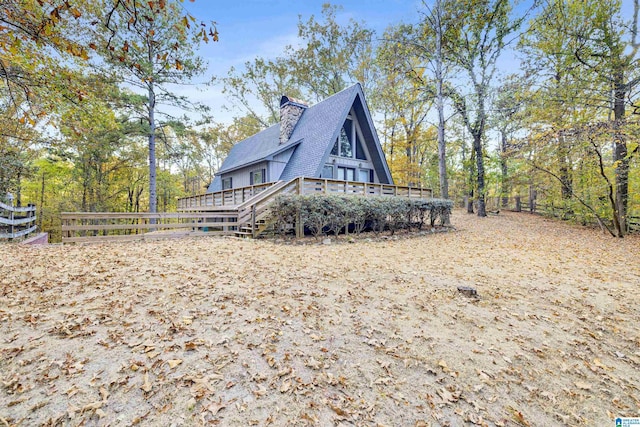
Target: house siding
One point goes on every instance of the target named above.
(241, 177)
(353, 163)
(277, 165)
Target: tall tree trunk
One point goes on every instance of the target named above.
(620, 153)
(19, 188)
(504, 185)
(472, 182)
(85, 186)
(153, 195)
(130, 199)
(477, 147)
(563, 169)
(442, 159)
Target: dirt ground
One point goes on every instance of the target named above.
(222, 331)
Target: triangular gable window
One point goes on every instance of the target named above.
(343, 146)
(348, 143)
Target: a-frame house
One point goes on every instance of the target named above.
(330, 147)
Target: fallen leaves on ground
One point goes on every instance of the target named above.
(238, 332)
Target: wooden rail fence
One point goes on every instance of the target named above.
(16, 222)
(80, 227)
(521, 204)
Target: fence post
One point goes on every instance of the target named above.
(518, 204)
(11, 229)
(532, 200)
(11, 215)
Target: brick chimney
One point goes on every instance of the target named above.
(290, 112)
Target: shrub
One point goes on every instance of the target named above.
(331, 213)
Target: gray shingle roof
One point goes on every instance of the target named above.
(315, 132)
(254, 149)
(318, 128)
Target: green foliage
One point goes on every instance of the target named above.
(321, 213)
(331, 56)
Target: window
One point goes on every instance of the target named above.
(343, 146)
(365, 175)
(346, 174)
(227, 183)
(258, 177)
(360, 154)
(327, 172)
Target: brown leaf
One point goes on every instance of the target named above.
(338, 410)
(518, 417)
(146, 385)
(214, 408)
(104, 393)
(444, 366)
(174, 362)
(286, 386)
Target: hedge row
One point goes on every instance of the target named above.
(327, 213)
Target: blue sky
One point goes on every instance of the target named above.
(252, 28)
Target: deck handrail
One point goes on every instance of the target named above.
(250, 210)
(262, 195)
(243, 193)
(325, 185)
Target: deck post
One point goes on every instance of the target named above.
(326, 186)
(253, 221)
(11, 218)
(299, 226)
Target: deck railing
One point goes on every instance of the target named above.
(240, 195)
(16, 222)
(230, 197)
(80, 227)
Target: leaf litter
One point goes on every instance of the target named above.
(209, 331)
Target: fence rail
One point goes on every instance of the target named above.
(78, 227)
(16, 221)
(522, 204)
